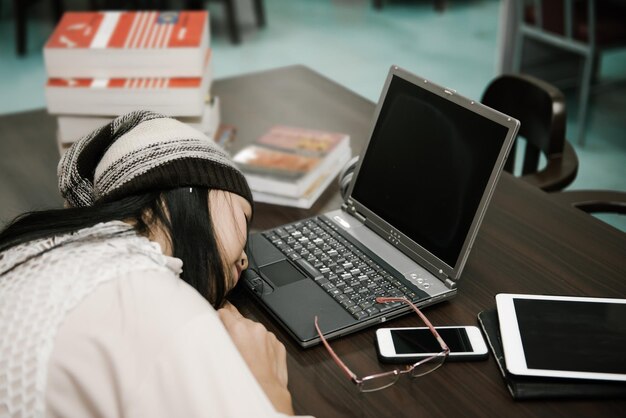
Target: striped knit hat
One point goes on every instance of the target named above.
(144, 151)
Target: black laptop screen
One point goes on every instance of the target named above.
(426, 168)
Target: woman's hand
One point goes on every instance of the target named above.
(263, 353)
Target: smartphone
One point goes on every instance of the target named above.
(405, 345)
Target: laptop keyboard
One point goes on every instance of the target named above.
(349, 275)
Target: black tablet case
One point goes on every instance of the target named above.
(531, 387)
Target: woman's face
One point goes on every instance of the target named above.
(231, 214)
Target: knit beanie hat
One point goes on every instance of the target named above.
(144, 151)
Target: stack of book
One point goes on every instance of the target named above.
(104, 64)
(292, 166)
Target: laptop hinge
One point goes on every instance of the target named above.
(349, 207)
(357, 215)
(439, 273)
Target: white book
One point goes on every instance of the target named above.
(180, 96)
(128, 44)
(210, 121)
(73, 127)
(308, 199)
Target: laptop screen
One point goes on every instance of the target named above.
(426, 167)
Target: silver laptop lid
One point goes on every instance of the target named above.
(427, 173)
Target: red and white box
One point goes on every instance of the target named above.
(176, 96)
(128, 44)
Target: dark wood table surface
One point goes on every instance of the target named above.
(527, 244)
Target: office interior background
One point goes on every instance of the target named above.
(354, 44)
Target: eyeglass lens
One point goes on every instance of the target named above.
(378, 382)
(420, 369)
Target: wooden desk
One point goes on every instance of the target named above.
(527, 244)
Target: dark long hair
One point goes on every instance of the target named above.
(183, 213)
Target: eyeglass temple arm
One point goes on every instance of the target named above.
(442, 343)
(335, 357)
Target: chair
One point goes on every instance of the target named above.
(540, 107)
(594, 201)
(231, 15)
(20, 10)
(584, 27)
(129, 4)
(229, 6)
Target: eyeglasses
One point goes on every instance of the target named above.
(380, 381)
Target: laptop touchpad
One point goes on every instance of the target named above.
(281, 273)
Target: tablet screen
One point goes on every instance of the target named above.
(572, 335)
(563, 336)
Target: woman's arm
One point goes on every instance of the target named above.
(263, 353)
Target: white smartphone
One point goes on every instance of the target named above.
(404, 345)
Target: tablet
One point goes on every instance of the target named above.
(563, 336)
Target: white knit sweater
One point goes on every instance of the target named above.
(40, 283)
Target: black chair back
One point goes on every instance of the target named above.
(540, 107)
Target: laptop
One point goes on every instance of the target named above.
(416, 200)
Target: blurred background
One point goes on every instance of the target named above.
(461, 44)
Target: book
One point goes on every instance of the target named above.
(533, 387)
(74, 127)
(176, 96)
(116, 44)
(209, 124)
(310, 196)
(287, 161)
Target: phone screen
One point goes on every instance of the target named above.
(409, 341)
